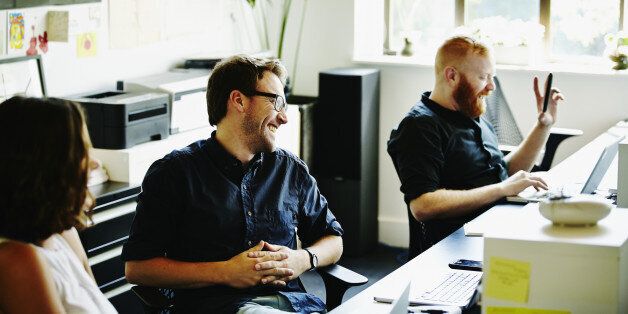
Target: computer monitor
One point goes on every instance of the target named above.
(602, 165)
(22, 76)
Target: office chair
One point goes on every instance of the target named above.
(508, 133)
(337, 280)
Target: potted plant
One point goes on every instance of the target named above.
(272, 17)
(617, 49)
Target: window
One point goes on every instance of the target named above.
(525, 10)
(578, 26)
(422, 22)
(563, 28)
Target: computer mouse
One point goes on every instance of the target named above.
(578, 210)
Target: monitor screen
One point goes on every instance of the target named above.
(21, 76)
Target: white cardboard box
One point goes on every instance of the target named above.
(580, 270)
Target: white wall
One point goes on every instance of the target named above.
(68, 74)
(327, 40)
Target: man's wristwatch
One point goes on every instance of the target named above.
(313, 259)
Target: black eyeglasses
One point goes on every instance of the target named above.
(278, 101)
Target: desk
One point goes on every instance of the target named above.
(427, 267)
(422, 270)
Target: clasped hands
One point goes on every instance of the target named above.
(265, 264)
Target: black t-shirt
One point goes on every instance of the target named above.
(437, 148)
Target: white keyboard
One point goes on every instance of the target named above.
(455, 288)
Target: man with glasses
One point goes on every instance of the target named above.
(446, 154)
(218, 220)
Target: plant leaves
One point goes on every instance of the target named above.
(251, 3)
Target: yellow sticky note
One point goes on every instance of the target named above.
(518, 310)
(86, 45)
(508, 279)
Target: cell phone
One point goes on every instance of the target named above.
(548, 91)
(466, 264)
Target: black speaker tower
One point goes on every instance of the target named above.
(346, 136)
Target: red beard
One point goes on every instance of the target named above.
(469, 103)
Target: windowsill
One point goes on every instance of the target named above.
(555, 67)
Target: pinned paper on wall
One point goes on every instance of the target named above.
(16, 31)
(508, 279)
(3, 31)
(58, 25)
(86, 45)
(519, 310)
(137, 22)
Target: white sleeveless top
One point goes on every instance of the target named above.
(78, 291)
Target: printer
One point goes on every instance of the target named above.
(186, 89)
(118, 120)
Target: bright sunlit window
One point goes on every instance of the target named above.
(579, 26)
(526, 10)
(574, 30)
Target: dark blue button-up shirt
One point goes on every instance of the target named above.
(199, 204)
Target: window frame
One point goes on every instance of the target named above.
(544, 19)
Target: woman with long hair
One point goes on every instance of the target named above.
(44, 148)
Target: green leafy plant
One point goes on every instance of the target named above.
(617, 49)
(269, 11)
(267, 7)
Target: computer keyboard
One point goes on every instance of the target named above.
(612, 197)
(554, 193)
(456, 288)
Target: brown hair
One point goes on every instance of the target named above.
(241, 73)
(43, 168)
(456, 49)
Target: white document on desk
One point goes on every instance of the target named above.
(495, 218)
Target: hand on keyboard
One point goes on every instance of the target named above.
(522, 180)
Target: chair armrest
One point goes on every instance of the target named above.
(337, 280)
(506, 149)
(566, 132)
(152, 298)
(557, 135)
(342, 275)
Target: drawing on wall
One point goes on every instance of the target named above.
(16, 31)
(23, 29)
(32, 44)
(43, 42)
(86, 45)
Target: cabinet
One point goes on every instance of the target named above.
(112, 217)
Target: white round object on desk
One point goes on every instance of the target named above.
(579, 210)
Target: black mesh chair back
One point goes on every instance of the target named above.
(499, 114)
